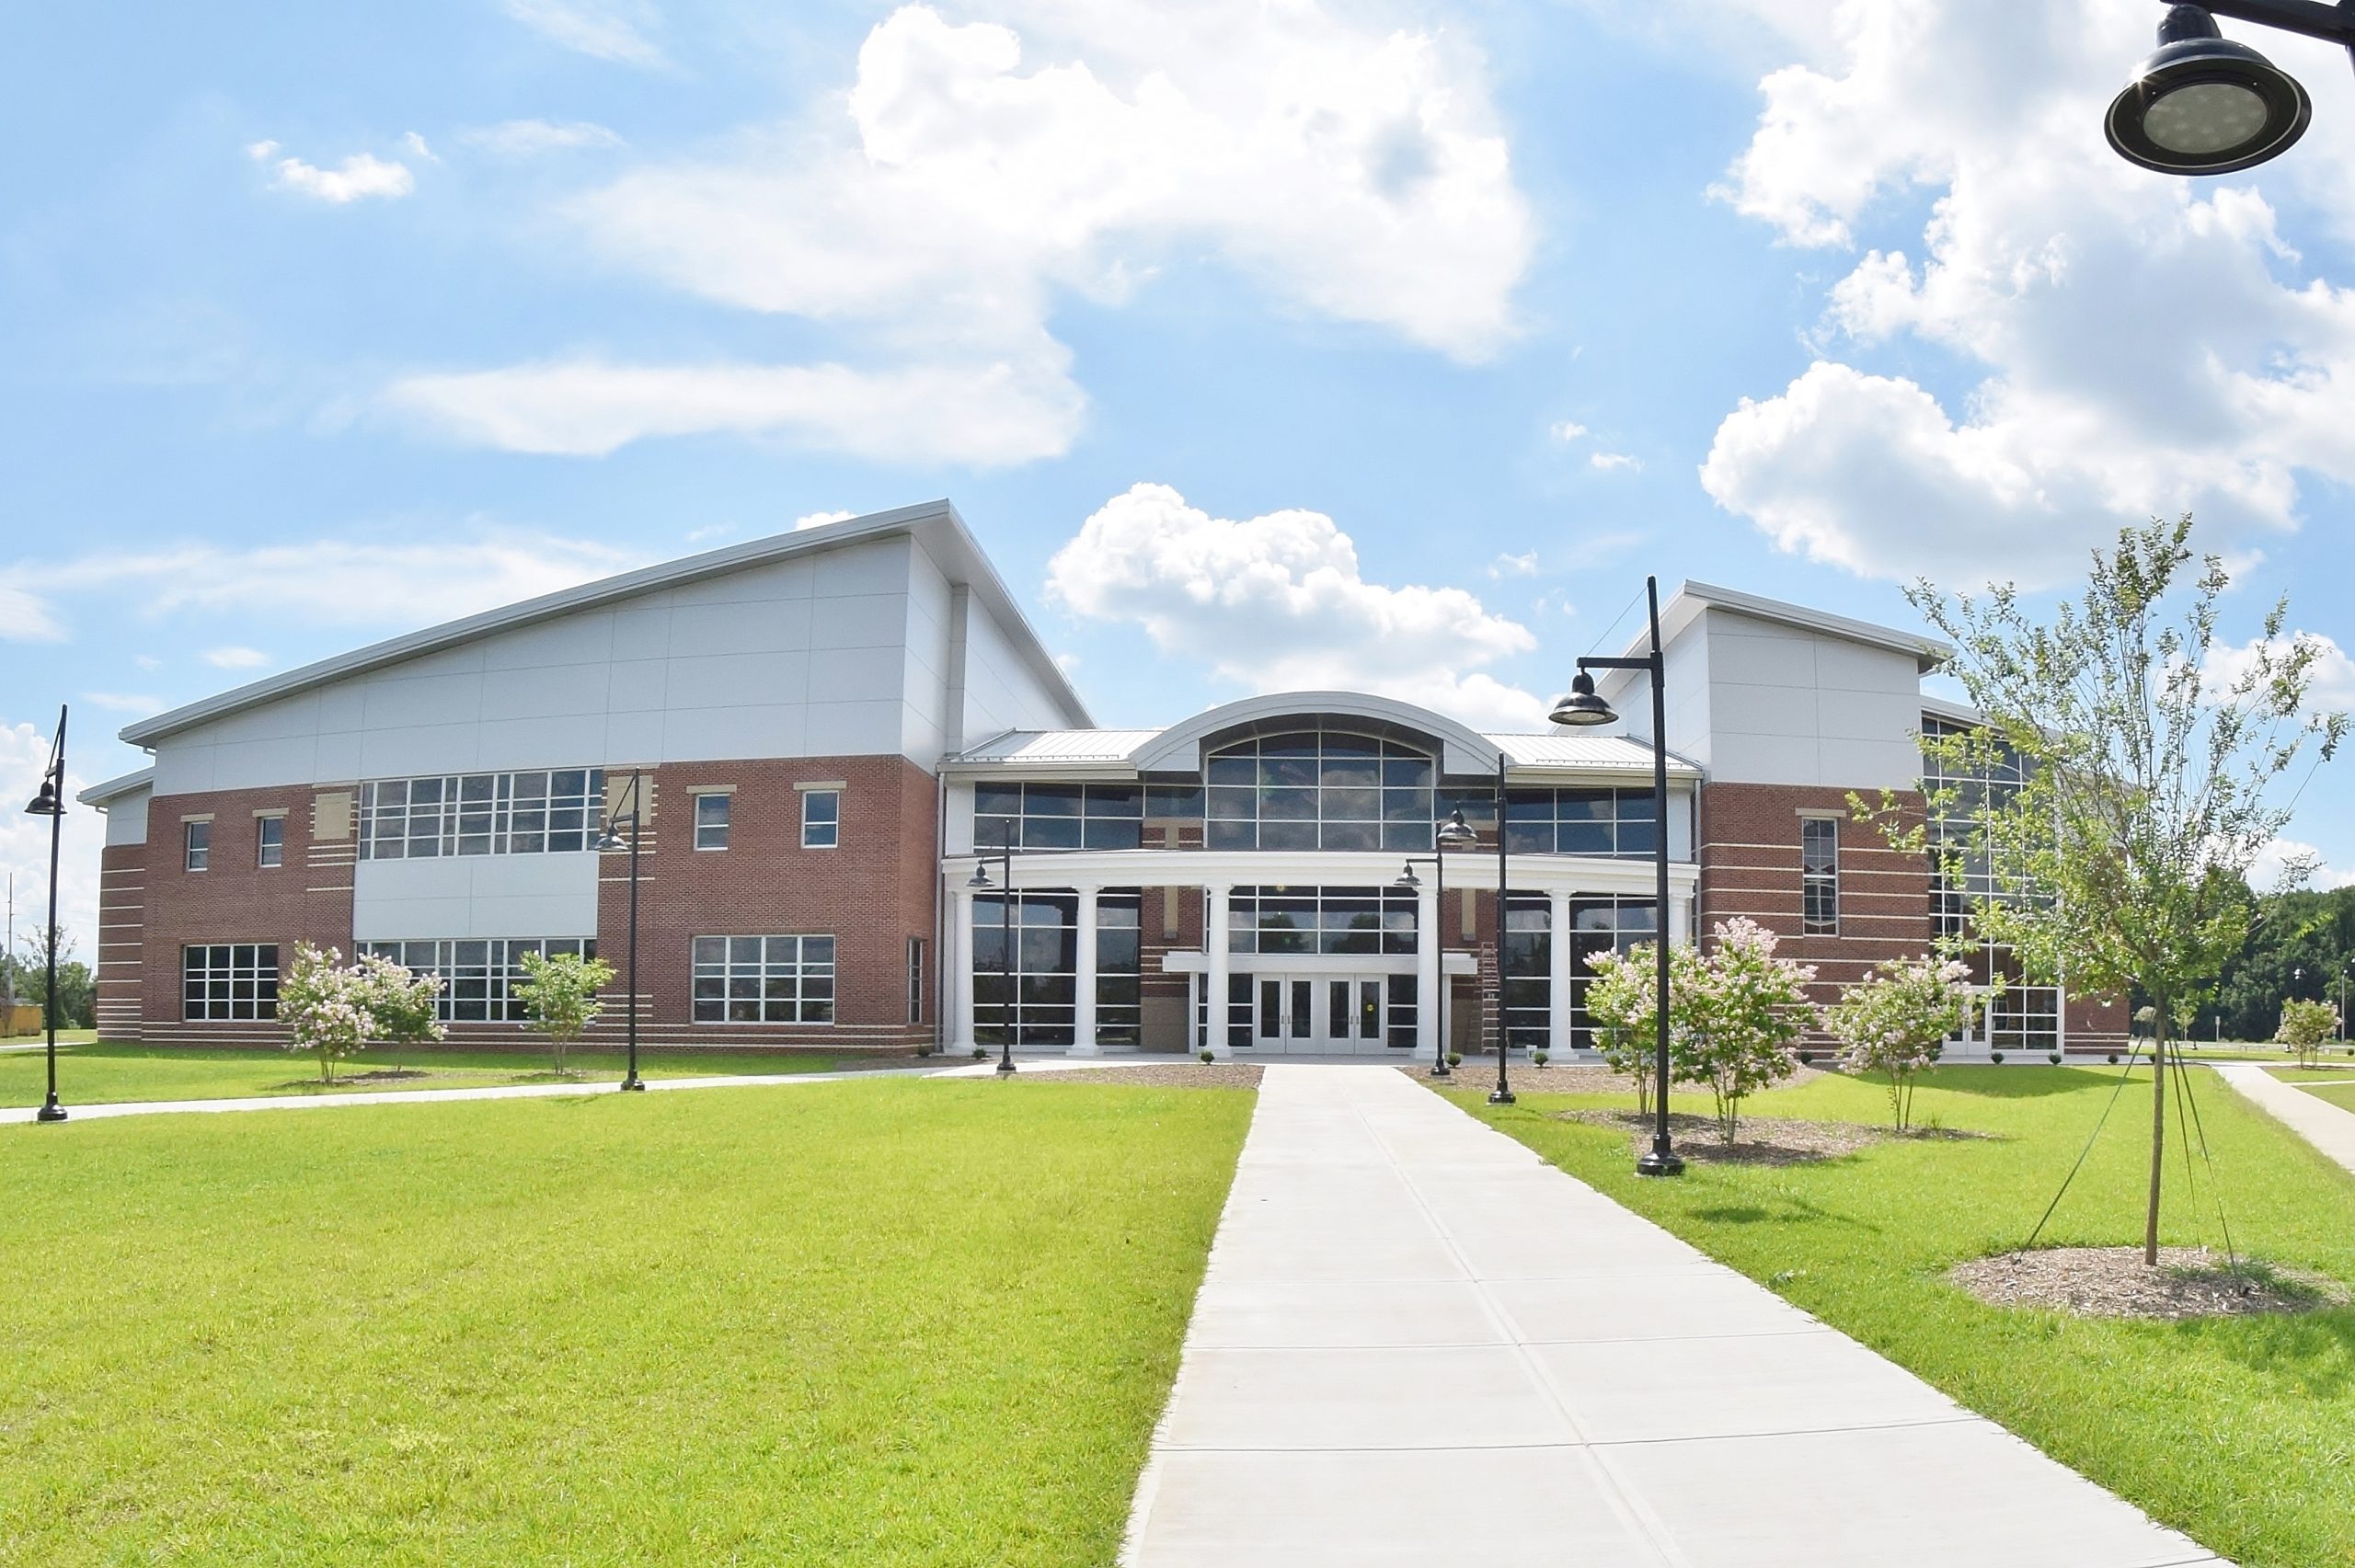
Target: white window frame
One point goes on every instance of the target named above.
(195, 856)
(783, 957)
(1808, 879)
(231, 968)
(726, 817)
(833, 829)
(262, 844)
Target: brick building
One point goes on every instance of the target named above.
(855, 772)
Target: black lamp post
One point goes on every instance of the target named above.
(1004, 947)
(2205, 105)
(1502, 1094)
(1582, 708)
(608, 839)
(1453, 833)
(50, 802)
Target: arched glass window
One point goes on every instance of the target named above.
(1320, 789)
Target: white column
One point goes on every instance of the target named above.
(1680, 919)
(1215, 939)
(1557, 975)
(961, 973)
(1083, 1039)
(1428, 978)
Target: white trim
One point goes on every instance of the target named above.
(835, 785)
(1693, 598)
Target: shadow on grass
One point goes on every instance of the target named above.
(2011, 1083)
(1787, 1209)
(2315, 1349)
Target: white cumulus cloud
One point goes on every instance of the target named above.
(2127, 344)
(820, 518)
(533, 138)
(235, 656)
(2333, 672)
(1277, 602)
(24, 840)
(361, 175)
(614, 31)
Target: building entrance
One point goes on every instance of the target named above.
(1318, 1014)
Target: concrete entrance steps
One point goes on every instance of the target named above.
(1418, 1344)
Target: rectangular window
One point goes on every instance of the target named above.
(543, 811)
(197, 844)
(1059, 816)
(764, 979)
(229, 980)
(711, 821)
(916, 979)
(1819, 874)
(478, 976)
(821, 819)
(270, 840)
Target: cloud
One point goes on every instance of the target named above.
(970, 176)
(606, 29)
(534, 138)
(2333, 673)
(344, 583)
(986, 414)
(235, 657)
(24, 842)
(1276, 603)
(2293, 863)
(1566, 431)
(358, 176)
(1522, 565)
(1611, 461)
(416, 144)
(23, 618)
(820, 518)
(2127, 344)
(123, 703)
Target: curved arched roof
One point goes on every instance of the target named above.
(1179, 749)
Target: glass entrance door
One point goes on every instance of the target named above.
(1318, 1014)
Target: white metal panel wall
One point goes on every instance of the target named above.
(127, 818)
(493, 895)
(1791, 706)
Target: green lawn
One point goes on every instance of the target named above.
(882, 1322)
(2240, 1433)
(100, 1074)
(65, 1037)
(2339, 1094)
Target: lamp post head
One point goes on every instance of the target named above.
(1455, 833)
(1407, 880)
(46, 803)
(981, 877)
(610, 839)
(2204, 104)
(1582, 709)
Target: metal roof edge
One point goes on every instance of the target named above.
(116, 788)
(1692, 597)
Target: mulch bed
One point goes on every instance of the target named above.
(2114, 1282)
(1760, 1140)
(1177, 1075)
(1575, 1078)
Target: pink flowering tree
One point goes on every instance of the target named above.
(1621, 1010)
(2304, 1026)
(1741, 1010)
(1896, 1019)
(325, 1008)
(402, 1005)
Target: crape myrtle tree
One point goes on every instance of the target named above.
(2304, 1026)
(325, 1008)
(2145, 754)
(559, 997)
(1895, 1020)
(401, 1004)
(1733, 1014)
(1620, 1008)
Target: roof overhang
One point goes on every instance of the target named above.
(933, 524)
(1179, 749)
(98, 794)
(1693, 597)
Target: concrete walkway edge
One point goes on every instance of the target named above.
(2329, 1127)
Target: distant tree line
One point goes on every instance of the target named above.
(25, 975)
(2314, 931)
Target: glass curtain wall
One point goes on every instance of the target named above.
(1320, 789)
(1036, 999)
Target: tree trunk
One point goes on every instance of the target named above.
(2158, 1130)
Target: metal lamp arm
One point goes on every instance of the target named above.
(2314, 18)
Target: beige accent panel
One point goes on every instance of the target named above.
(1471, 915)
(617, 794)
(331, 815)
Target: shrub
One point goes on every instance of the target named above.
(401, 1005)
(2113, 1058)
(2305, 1026)
(1456, 1058)
(1896, 1019)
(1742, 1008)
(1995, 1057)
(1541, 1056)
(2053, 1057)
(324, 1007)
(558, 994)
(981, 1053)
(1209, 1055)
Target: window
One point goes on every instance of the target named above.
(546, 811)
(1321, 920)
(821, 819)
(1599, 925)
(478, 976)
(1058, 816)
(229, 979)
(1528, 974)
(270, 840)
(916, 979)
(711, 821)
(1819, 874)
(197, 844)
(764, 979)
(1329, 789)
(1618, 822)
(1043, 1007)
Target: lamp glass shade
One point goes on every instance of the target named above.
(1407, 880)
(1582, 709)
(1455, 833)
(981, 877)
(45, 803)
(2206, 104)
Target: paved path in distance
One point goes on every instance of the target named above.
(1418, 1343)
(2329, 1127)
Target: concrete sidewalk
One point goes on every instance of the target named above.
(2326, 1127)
(1418, 1344)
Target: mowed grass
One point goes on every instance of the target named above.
(114, 1072)
(2339, 1094)
(883, 1321)
(2240, 1433)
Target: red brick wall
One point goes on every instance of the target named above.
(1750, 865)
(123, 947)
(872, 894)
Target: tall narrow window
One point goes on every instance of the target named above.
(821, 819)
(916, 979)
(1819, 874)
(196, 839)
(711, 821)
(270, 840)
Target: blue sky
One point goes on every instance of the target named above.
(1263, 345)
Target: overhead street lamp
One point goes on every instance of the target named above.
(1582, 708)
(1005, 946)
(608, 839)
(2203, 104)
(1454, 834)
(50, 802)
